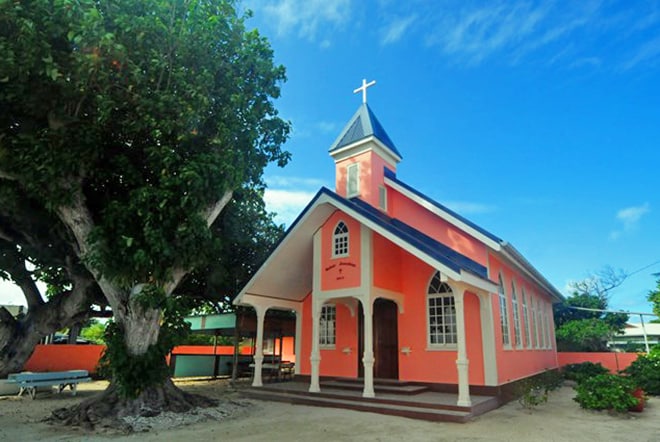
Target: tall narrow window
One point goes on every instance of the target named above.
(504, 315)
(382, 198)
(340, 240)
(551, 329)
(528, 337)
(441, 313)
(535, 328)
(352, 180)
(516, 316)
(327, 325)
(539, 325)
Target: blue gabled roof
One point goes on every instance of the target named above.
(363, 124)
(435, 249)
(392, 176)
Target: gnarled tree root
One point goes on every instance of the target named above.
(107, 408)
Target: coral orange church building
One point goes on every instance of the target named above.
(388, 284)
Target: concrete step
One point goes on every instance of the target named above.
(392, 388)
(410, 411)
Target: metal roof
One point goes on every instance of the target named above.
(363, 124)
(392, 176)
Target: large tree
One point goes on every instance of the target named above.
(654, 298)
(581, 323)
(132, 123)
(34, 247)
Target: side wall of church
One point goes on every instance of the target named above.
(535, 353)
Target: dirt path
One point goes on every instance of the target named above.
(559, 420)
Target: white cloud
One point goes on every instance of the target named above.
(306, 18)
(468, 208)
(287, 204)
(278, 181)
(629, 217)
(648, 52)
(288, 196)
(475, 34)
(393, 31)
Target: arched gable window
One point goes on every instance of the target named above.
(441, 313)
(340, 240)
(516, 316)
(504, 314)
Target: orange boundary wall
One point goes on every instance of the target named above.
(612, 361)
(63, 357)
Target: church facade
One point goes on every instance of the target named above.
(388, 284)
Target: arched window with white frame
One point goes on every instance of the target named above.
(441, 312)
(504, 314)
(340, 240)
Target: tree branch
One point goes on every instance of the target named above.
(214, 210)
(7, 175)
(210, 215)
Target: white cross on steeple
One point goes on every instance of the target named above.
(363, 88)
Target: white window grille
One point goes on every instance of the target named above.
(441, 314)
(327, 325)
(504, 315)
(340, 240)
(516, 316)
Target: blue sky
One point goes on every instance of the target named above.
(539, 121)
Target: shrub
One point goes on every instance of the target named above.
(645, 372)
(606, 392)
(582, 371)
(534, 391)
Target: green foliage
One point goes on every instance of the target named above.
(245, 234)
(94, 332)
(583, 330)
(645, 372)
(132, 374)
(201, 339)
(584, 370)
(654, 298)
(606, 392)
(150, 110)
(583, 335)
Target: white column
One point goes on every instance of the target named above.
(315, 358)
(298, 341)
(462, 362)
(488, 338)
(368, 357)
(259, 345)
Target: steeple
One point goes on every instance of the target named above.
(361, 152)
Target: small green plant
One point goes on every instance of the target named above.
(645, 372)
(606, 392)
(532, 395)
(534, 391)
(582, 371)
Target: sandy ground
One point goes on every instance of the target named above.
(560, 419)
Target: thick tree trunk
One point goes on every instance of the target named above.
(17, 343)
(19, 337)
(108, 408)
(141, 328)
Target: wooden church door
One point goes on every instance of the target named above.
(386, 340)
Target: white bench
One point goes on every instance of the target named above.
(28, 381)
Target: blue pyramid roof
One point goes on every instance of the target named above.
(363, 124)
